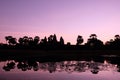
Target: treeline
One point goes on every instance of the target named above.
(51, 42)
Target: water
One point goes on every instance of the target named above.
(35, 69)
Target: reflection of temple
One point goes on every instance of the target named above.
(68, 66)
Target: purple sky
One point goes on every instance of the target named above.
(67, 18)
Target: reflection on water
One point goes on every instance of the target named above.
(110, 56)
(67, 66)
(74, 68)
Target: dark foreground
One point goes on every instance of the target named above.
(57, 54)
(16, 64)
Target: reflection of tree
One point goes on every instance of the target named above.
(51, 67)
(43, 66)
(95, 70)
(94, 67)
(23, 66)
(35, 66)
(81, 66)
(28, 65)
(9, 66)
(118, 68)
(68, 66)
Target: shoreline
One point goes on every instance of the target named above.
(57, 52)
(58, 55)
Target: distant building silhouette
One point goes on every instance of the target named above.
(51, 42)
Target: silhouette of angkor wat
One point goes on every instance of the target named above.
(51, 43)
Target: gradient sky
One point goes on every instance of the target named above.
(67, 18)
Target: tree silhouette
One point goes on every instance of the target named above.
(94, 42)
(93, 36)
(30, 41)
(79, 40)
(7, 38)
(113, 43)
(25, 40)
(51, 43)
(109, 43)
(116, 42)
(36, 40)
(11, 40)
(117, 37)
(20, 41)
